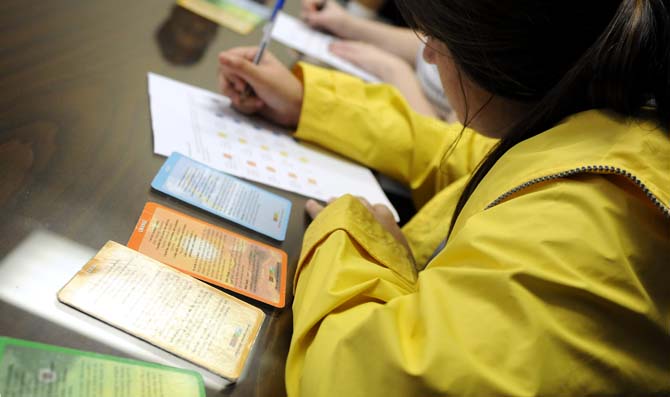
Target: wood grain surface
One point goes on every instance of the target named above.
(76, 156)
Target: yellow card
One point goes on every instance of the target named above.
(166, 308)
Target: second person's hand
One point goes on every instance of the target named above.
(326, 15)
(277, 93)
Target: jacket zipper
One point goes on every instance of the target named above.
(599, 169)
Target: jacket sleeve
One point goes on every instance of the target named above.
(373, 125)
(527, 299)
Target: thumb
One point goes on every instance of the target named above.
(313, 208)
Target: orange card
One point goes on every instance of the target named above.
(212, 254)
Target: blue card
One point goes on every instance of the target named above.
(224, 195)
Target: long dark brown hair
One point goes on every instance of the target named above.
(562, 57)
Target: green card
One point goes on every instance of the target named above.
(39, 370)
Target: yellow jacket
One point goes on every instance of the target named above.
(554, 282)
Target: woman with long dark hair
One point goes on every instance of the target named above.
(537, 264)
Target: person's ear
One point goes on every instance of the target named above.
(428, 54)
(432, 50)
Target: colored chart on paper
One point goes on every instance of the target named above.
(202, 125)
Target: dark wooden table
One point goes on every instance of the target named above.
(76, 155)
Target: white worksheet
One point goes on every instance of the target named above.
(296, 34)
(202, 125)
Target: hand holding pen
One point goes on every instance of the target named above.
(265, 40)
(277, 93)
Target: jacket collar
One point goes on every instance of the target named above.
(594, 141)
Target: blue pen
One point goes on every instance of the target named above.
(267, 31)
(265, 41)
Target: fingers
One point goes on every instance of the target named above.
(239, 61)
(328, 16)
(381, 212)
(247, 104)
(365, 202)
(240, 67)
(238, 74)
(317, 17)
(230, 84)
(238, 90)
(248, 53)
(313, 208)
(308, 6)
(229, 79)
(311, 17)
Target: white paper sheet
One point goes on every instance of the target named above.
(296, 34)
(203, 126)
